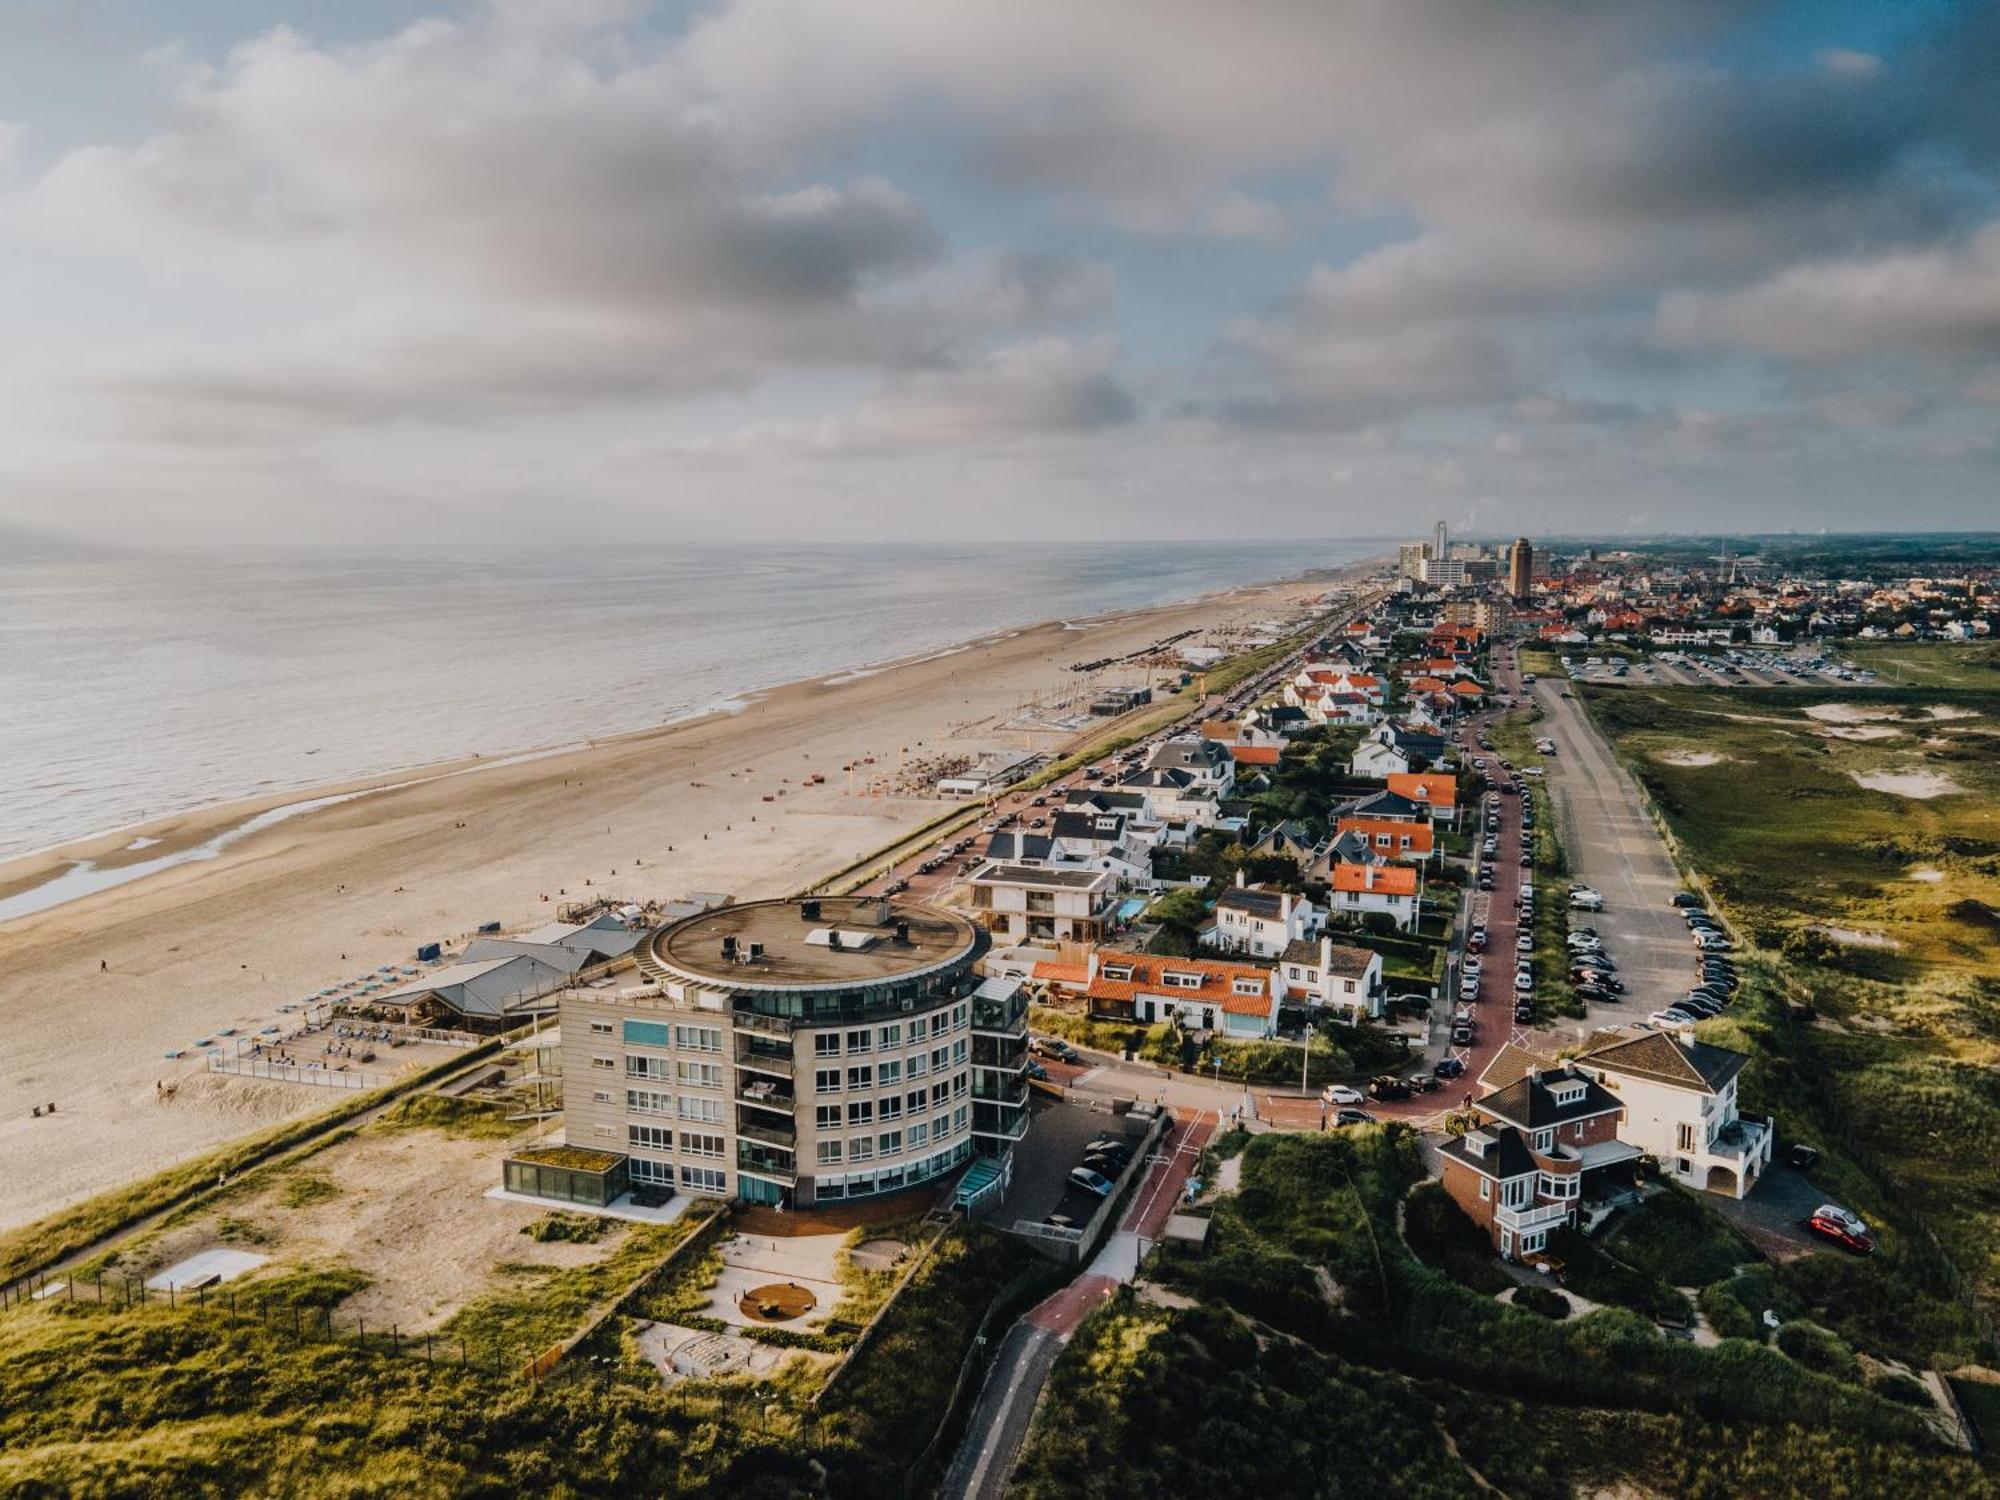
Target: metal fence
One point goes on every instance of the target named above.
(322, 1077)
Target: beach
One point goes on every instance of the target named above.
(99, 989)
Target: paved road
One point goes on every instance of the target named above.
(1614, 847)
(1006, 1406)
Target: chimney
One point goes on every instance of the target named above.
(1239, 878)
(1325, 953)
(1090, 967)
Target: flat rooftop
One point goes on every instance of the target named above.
(800, 951)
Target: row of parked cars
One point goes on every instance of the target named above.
(1104, 1162)
(1716, 979)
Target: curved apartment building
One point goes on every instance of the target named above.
(799, 1051)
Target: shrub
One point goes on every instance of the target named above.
(1820, 1349)
(578, 1229)
(1729, 1318)
(1442, 1237)
(1907, 1389)
(1547, 1301)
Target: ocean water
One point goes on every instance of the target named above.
(138, 684)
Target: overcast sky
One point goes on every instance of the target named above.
(542, 269)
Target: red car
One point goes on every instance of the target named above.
(1844, 1229)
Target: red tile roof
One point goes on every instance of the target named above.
(1433, 788)
(1395, 829)
(1254, 755)
(1218, 982)
(1384, 880)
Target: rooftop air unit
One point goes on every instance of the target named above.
(809, 911)
(729, 947)
(903, 932)
(756, 952)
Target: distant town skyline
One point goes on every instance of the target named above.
(545, 270)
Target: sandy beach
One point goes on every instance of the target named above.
(316, 897)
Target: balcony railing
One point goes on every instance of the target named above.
(751, 1052)
(764, 1094)
(1005, 1125)
(1009, 1091)
(766, 1162)
(1542, 1214)
(770, 1135)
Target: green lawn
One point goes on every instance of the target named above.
(1975, 665)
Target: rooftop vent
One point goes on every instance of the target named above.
(729, 947)
(809, 911)
(756, 952)
(903, 932)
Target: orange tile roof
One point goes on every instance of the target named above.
(1385, 880)
(1254, 755)
(1427, 685)
(1223, 731)
(1218, 986)
(1435, 788)
(1468, 689)
(1419, 834)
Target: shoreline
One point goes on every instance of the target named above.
(99, 861)
(800, 781)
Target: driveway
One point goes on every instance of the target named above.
(1614, 847)
(1769, 1217)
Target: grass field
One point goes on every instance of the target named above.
(1879, 908)
(1973, 667)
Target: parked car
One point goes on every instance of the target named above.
(1524, 982)
(1448, 1067)
(1525, 942)
(1340, 1093)
(1672, 1016)
(1422, 1083)
(1388, 1086)
(1091, 1182)
(1687, 899)
(1037, 1071)
(1054, 1046)
(1353, 1117)
(1831, 1222)
(1586, 901)
(1107, 1165)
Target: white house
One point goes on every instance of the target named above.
(1365, 890)
(1043, 903)
(1333, 976)
(1393, 749)
(1236, 1000)
(1263, 923)
(1680, 1107)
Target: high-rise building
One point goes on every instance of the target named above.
(1441, 546)
(1410, 559)
(1520, 568)
(802, 1051)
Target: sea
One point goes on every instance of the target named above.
(136, 684)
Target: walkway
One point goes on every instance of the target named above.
(1000, 1420)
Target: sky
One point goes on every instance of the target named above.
(549, 270)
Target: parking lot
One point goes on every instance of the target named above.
(1614, 848)
(1740, 667)
(1043, 1158)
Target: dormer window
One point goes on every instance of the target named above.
(1118, 971)
(1181, 981)
(1249, 987)
(1568, 1092)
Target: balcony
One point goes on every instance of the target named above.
(765, 1056)
(1006, 1017)
(1009, 1091)
(769, 1135)
(766, 1161)
(764, 1093)
(1540, 1216)
(998, 1123)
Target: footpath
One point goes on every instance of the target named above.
(1006, 1406)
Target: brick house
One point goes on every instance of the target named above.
(1520, 1173)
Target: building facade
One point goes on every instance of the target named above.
(799, 1052)
(1521, 568)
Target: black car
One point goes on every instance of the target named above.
(1524, 1012)
(1422, 1083)
(1352, 1117)
(1449, 1067)
(1687, 899)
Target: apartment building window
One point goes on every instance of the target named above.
(650, 1137)
(608, 1063)
(861, 1112)
(704, 1179)
(827, 1117)
(1686, 1142)
(700, 1145)
(941, 1091)
(959, 1014)
(959, 1117)
(941, 1128)
(861, 1148)
(656, 1068)
(645, 1033)
(826, 1080)
(701, 1075)
(703, 1111)
(920, 1134)
(958, 1052)
(698, 1038)
(600, 1028)
(860, 1041)
(829, 1153)
(892, 1108)
(1485, 1190)
(889, 1036)
(601, 1096)
(658, 1173)
(889, 1142)
(827, 1044)
(649, 1102)
(920, 1064)
(861, 1078)
(920, 1027)
(915, 1099)
(958, 1086)
(889, 1072)
(940, 1059)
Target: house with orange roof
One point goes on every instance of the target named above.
(1203, 994)
(1466, 691)
(1436, 790)
(1254, 755)
(1368, 890)
(1392, 838)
